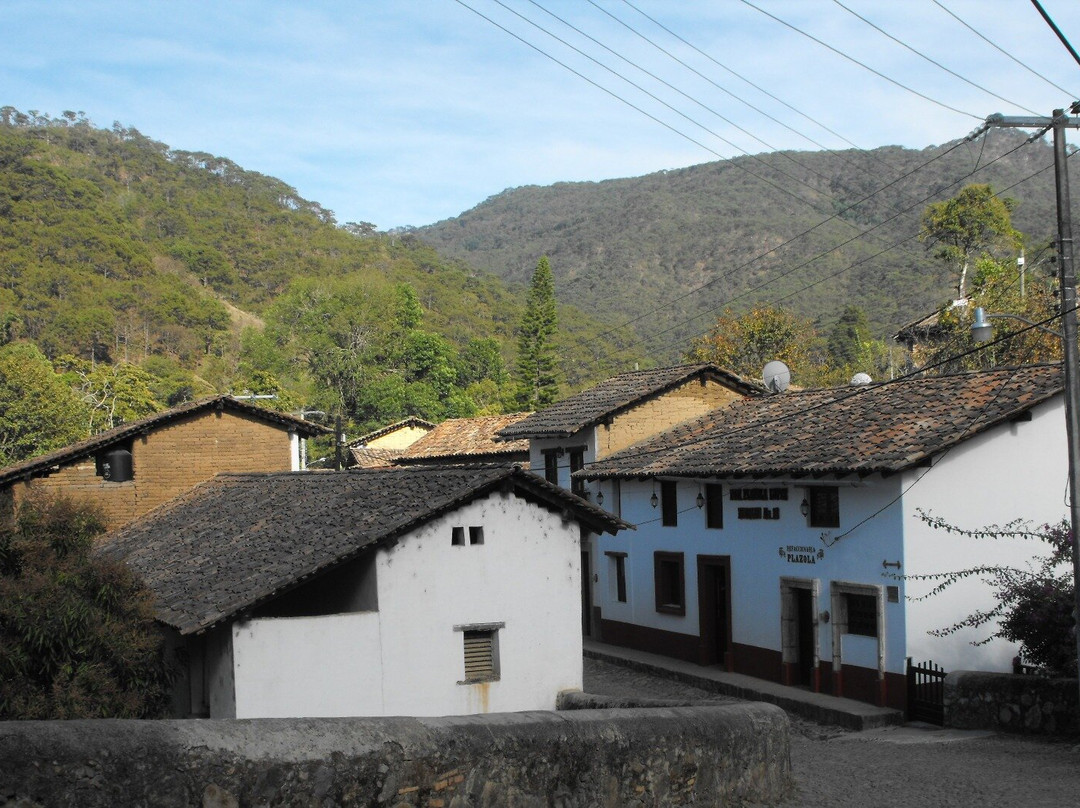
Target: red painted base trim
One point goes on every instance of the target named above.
(653, 640)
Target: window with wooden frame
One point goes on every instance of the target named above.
(824, 506)
(481, 648)
(862, 616)
(551, 465)
(617, 574)
(669, 503)
(714, 505)
(669, 583)
(577, 463)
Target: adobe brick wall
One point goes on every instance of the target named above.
(732, 754)
(689, 400)
(170, 460)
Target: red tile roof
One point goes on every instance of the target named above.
(877, 428)
(468, 439)
(616, 394)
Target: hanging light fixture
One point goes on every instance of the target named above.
(599, 497)
(804, 507)
(700, 499)
(653, 500)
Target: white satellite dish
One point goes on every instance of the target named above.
(777, 376)
(859, 379)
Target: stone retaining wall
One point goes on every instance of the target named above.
(618, 758)
(1005, 702)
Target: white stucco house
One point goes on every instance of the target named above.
(778, 535)
(402, 591)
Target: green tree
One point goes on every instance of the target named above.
(39, 411)
(848, 339)
(77, 634)
(745, 343)
(537, 370)
(972, 223)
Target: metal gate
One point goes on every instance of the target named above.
(925, 693)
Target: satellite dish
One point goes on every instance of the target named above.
(776, 376)
(860, 378)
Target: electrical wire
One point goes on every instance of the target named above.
(1002, 50)
(861, 64)
(934, 62)
(1056, 30)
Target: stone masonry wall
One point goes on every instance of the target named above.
(171, 460)
(682, 403)
(612, 758)
(1028, 705)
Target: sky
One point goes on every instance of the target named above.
(407, 112)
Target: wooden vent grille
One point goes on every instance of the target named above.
(479, 655)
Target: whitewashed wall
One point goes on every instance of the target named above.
(526, 575)
(1015, 471)
(756, 563)
(407, 658)
(321, 666)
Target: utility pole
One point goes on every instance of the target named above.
(1067, 278)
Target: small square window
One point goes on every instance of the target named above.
(669, 503)
(824, 506)
(862, 615)
(457, 537)
(476, 534)
(669, 583)
(892, 594)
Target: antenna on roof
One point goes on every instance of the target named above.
(777, 376)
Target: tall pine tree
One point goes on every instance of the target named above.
(536, 368)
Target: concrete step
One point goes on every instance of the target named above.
(819, 707)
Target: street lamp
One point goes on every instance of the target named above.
(982, 330)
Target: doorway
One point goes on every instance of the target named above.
(799, 632)
(714, 610)
(586, 594)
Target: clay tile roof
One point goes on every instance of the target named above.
(468, 439)
(885, 427)
(614, 395)
(119, 434)
(412, 421)
(240, 540)
(368, 458)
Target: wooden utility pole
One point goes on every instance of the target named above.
(1067, 278)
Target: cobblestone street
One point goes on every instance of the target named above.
(895, 767)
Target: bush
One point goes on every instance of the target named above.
(77, 634)
(1035, 605)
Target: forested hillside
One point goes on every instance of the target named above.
(147, 275)
(751, 229)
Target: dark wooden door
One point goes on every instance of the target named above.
(714, 610)
(804, 625)
(586, 595)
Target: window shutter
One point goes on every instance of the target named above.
(479, 656)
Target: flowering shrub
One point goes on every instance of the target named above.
(1034, 603)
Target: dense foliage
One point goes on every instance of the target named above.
(77, 634)
(1034, 603)
(147, 276)
(695, 241)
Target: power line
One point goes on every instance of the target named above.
(934, 62)
(1002, 50)
(737, 75)
(1056, 30)
(861, 64)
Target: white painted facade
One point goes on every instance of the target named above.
(407, 656)
(1016, 470)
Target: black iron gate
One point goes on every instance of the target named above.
(925, 693)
